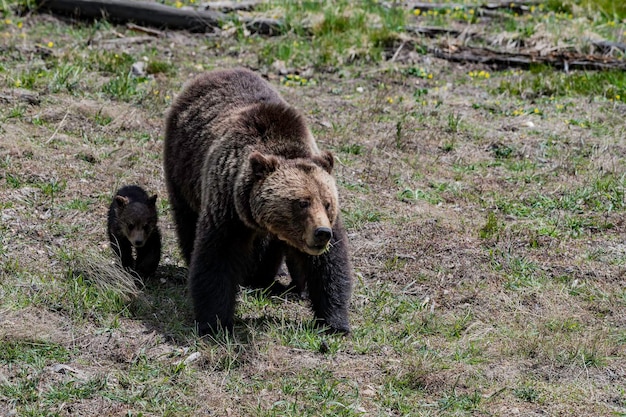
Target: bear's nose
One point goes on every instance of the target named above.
(322, 235)
(138, 243)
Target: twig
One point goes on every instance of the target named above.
(152, 32)
(57, 129)
(395, 55)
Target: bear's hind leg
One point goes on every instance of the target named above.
(185, 218)
(149, 255)
(329, 280)
(268, 256)
(217, 265)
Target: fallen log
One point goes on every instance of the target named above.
(141, 13)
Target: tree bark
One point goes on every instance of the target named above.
(141, 13)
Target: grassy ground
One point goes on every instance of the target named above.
(486, 212)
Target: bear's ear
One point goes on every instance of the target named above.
(152, 200)
(262, 165)
(325, 160)
(121, 201)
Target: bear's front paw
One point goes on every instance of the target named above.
(342, 329)
(213, 328)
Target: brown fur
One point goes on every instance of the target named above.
(132, 223)
(248, 185)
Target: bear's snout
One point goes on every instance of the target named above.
(322, 236)
(137, 239)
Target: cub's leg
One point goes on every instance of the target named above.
(122, 249)
(148, 255)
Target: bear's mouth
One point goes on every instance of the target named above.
(315, 250)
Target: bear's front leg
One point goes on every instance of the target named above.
(329, 280)
(214, 274)
(123, 249)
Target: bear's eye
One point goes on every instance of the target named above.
(131, 226)
(304, 204)
(327, 206)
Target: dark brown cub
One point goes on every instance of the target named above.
(132, 222)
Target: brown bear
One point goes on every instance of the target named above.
(132, 222)
(249, 188)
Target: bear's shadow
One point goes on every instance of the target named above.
(164, 307)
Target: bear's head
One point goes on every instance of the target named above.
(136, 220)
(294, 199)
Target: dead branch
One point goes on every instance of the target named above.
(514, 6)
(151, 32)
(232, 6)
(141, 13)
(433, 32)
(561, 60)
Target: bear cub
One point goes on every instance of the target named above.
(132, 223)
(249, 188)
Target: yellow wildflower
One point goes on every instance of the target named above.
(7, 21)
(178, 4)
(19, 25)
(18, 83)
(417, 12)
(50, 44)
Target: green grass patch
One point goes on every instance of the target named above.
(343, 33)
(542, 81)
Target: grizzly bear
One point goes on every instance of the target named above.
(132, 222)
(249, 188)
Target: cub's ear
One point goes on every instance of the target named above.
(262, 165)
(152, 200)
(325, 160)
(121, 201)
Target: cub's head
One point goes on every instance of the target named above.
(295, 199)
(136, 220)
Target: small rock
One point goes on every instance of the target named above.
(138, 69)
(189, 359)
